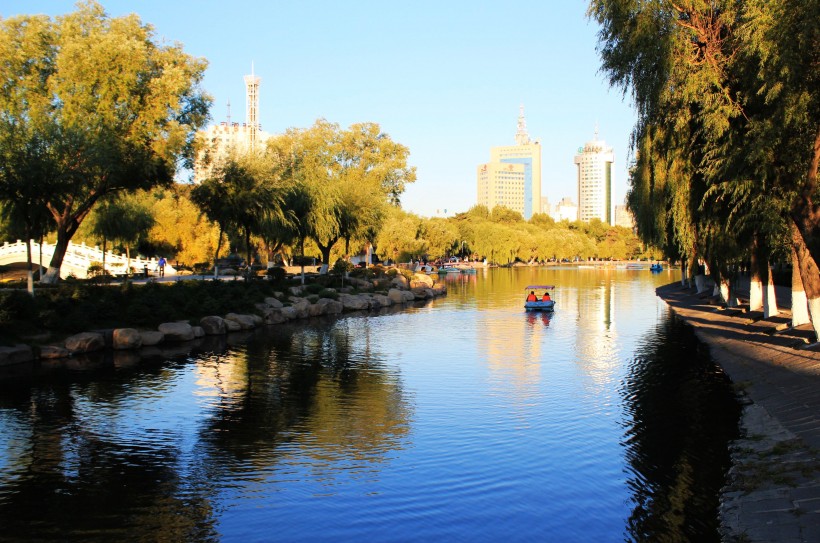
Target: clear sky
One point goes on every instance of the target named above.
(445, 79)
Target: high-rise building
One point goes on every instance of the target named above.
(220, 139)
(517, 187)
(594, 161)
(623, 217)
(566, 210)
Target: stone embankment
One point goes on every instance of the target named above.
(270, 311)
(773, 491)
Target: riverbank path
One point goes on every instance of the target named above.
(774, 488)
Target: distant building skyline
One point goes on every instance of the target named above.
(623, 217)
(222, 138)
(594, 175)
(512, 177)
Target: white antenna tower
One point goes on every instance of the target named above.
(252, 105)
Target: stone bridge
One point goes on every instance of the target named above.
(77, 260)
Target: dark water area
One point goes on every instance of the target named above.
(463, 419)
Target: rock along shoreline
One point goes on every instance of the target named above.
(773, 488)
(270, 311)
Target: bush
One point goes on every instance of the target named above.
(342, 266)
(16, 306)
(329, 293)
(276, 274)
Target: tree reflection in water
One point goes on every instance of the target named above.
(96, 455)
(681, 413)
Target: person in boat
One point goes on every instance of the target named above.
(531, 297)
(546, 297)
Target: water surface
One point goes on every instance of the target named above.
(465, 419)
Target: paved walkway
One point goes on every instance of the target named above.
(774, 488)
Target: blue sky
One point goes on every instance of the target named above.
(443, 78)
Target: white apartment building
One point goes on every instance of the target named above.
(566, 210)
(220, 139)
(594, 161)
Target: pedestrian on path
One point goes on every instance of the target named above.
(161, 266)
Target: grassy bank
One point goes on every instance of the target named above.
(69, 308)
(77, 306)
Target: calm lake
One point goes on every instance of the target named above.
(465, 419)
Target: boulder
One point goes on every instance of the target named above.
(16, 354)
(151, 337)
(176, 331)
(257, 319)
(289, 313)
(274, 315)
(422, 293)
(354, 302)
(85, 342)
(198, 331)
(297, 291)
(126, 338)
(232, 326)
(213, 325)
(331, 307)
(421, 280)
(301, 306)
(396, 295)
(400, 281)
(274, 303)
(315, 310)
(382, 300)
(107, 334)
(246, 322)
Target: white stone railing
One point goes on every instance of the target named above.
(77, 259)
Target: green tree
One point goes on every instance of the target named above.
(180, 227)
(243, 196)
(125, 219)
(115, 108)
(23, 158)
(726, 94)
(349, 177)
(441, 236)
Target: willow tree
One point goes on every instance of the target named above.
(23, 158)
(125, 219)
(349, 177)
(242, 196)
(744, 76)
(116, 108)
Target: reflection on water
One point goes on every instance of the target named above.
(463, 419)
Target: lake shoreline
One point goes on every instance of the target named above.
(773, 487)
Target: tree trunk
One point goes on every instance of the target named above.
(103, 262)
(29, 275)
(800, 308)
(727, 291)
(693, 270)
(216, 255)
(769, 294)
(756, 273)
(40, 265)
(810, 276)
(52, 276)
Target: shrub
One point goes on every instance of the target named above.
(276, 274)
(15, 306)
(329, 293)
(342, 266)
